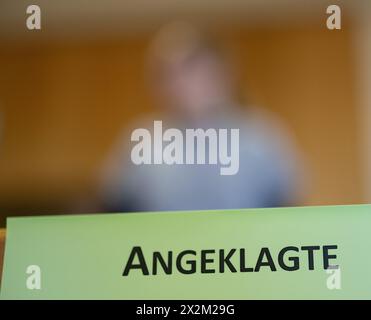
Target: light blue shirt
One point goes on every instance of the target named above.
(268, 173)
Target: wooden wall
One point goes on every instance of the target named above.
(63, 104)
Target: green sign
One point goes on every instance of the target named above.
(300, 252)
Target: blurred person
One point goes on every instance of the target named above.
(196, 88)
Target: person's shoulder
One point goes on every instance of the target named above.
(264, 133)
(265, 123)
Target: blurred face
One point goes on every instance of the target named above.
(193, 85)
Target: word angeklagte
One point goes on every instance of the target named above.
(199, 146)
(290, 258)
